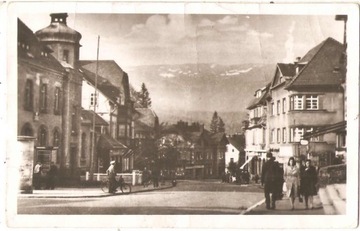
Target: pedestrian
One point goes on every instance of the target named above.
(302, 169)
(292, 180)
(309, 181)
(269, 179)
(155, 177)
(112, 177)
(145, 177)
(37, 175)
(52, 176)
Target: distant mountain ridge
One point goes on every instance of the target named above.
(187, 91)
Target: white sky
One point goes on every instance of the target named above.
(143, 39)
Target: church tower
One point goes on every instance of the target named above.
(65, 43)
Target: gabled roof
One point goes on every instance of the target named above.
(147, 117)
(33, 54)
(238, 141)
(107, 142)
(257, 101)
(111, 71)
(321, 62)
(103, 85)
(88, 115)
(287, 69)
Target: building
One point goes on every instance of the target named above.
(41, 98)
(65, 42)
(309, 99)
(235, 151)
(256, 136)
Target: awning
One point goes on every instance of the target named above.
(242, 166)
(109, 143)
(332, 128)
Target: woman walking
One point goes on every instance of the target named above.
(309, 180)
(292, 180)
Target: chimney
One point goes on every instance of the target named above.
(296, 62)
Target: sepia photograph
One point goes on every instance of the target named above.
(181, 115)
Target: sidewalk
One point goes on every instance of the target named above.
(283, 208)
(87, 192)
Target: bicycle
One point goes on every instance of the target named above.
(125, 188)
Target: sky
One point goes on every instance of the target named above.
(152, 39)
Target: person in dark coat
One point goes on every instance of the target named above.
(52, 176)
(309, 180)
(270, 179)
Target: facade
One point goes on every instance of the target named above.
(41, 97)
(65, 42)
(255, 134)
(235, 151)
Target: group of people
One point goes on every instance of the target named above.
(41, 177)
(293, 181)
(155, 176)
(240, 176)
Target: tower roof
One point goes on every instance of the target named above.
(58, 31)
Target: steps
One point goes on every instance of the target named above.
(333, 199)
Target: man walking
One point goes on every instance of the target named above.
(111, 176)
(269, 178)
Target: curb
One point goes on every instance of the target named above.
(252, 207)
(90, 196)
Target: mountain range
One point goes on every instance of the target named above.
(192, 92)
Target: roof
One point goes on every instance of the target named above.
(103, 85)
(33, 54)
(238, 141)
(146, 117)
(88, 115)
(287, 69)
(107, 142)
(262, 99)
(321, 62)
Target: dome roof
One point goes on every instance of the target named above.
(58, 31)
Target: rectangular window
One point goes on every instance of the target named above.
(278, 107)
(312, 102)
(122, 129)
(278, 136)
(283, 105)
(66, 56)
(272, 109)
(272, 136)
(284, 135)
(296, 102)
(74, 122)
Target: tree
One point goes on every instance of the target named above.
(217, 124)
(144, 97)
(221, 125)
(214, 123)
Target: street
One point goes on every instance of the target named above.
(188, 197)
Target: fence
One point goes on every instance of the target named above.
(332, 174)
(134, 178)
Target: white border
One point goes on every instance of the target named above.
(12, 9)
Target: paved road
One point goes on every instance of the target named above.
(188, 197)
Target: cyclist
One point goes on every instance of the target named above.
(111, 176)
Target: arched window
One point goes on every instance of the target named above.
(27, 130)
(57, 101)
(28, 97)
(83, 146)
(56, 138)
(42, 137)
(43, 98)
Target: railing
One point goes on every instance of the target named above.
(333, 174)
(134, 178)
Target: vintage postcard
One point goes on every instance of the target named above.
(134, 115)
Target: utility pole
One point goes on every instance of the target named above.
(92, 156)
